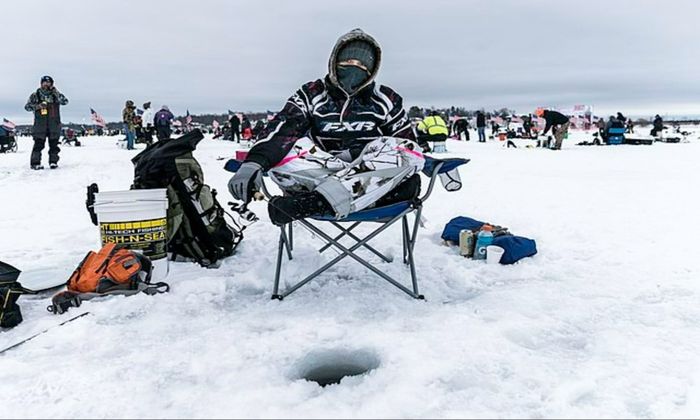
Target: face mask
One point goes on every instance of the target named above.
(351, 77)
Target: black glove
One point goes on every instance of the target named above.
(246, 181)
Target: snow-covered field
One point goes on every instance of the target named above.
(603, 322)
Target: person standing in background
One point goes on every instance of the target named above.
(162, 122)
(481, 126)
(129, 120)
(658, 126)
(527, 126)
(235, 124)
(147, 122)
(45, 103)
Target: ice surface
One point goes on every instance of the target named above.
(604, 321)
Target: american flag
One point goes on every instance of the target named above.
(97, 118)
(8, 124)
(188, 118)
(215, 124)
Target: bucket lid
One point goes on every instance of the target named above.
(131, 195)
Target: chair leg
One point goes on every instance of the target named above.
(404, 238)
(278, 269)
(291, 237)
(412, 241)
(411, 263)
(287, 242)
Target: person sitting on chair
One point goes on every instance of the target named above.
(432, 128)
(361, 150)
(658, 126)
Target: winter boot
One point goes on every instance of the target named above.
(408, 190)
(287, 209)
(53, 165)
(37, 167)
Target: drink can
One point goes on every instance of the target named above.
(466, 243)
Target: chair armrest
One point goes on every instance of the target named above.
(434, 167)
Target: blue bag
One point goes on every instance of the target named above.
(454, 226)
(516, 248)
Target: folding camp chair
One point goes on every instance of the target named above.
(385, 216)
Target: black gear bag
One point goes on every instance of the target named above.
(10, 291)
(197, 228)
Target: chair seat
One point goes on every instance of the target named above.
(378, 214)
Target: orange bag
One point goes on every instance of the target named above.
(110, 269)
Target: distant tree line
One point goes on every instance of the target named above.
(458, 111)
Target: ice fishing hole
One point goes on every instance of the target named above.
(328, 367)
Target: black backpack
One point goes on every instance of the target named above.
(197, 228)
(162, 119)
(10, 291)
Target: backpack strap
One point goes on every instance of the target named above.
(154, 288)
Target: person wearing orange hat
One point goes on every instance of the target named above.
(558, 122)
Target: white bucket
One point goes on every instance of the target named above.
(138, 220)
(494, 254)
(439, 147)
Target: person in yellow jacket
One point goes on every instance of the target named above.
(433, 128)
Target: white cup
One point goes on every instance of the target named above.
(494, 254)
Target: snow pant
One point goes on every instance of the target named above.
(148, 134)
(130, 137)
(235, 136)
(163, 132)
(352, 184)
(559, 133)
(39, 143)
(482, 134)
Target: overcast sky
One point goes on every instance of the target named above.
(637, 56)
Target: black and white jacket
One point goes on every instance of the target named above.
(334, 121)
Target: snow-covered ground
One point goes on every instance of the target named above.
(603, 322)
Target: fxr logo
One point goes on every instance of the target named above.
(338, 127)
